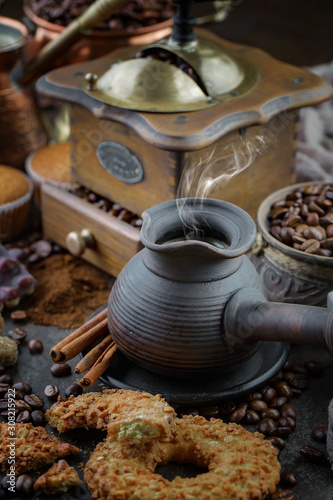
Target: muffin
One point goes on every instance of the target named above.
(50, 164)
(15, 196)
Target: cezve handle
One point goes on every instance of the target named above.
(249, 317)
(96, 13)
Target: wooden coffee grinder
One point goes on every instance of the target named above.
(189, 115)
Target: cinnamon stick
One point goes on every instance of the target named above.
(100, 366)
(92, 356)
(56, 353)
(69, 351)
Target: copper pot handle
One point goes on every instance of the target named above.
(222, 8)
(96, 13)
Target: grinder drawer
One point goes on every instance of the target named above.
(99, 237)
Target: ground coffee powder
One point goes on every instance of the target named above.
(68, 291)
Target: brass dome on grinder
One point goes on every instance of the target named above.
(170, 78)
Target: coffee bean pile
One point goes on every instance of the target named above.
(135, 14)
(28, 406)
(107, 206)
(168, 57)
(304, 220)
(269, 409)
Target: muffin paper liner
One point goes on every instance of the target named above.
(13, 215)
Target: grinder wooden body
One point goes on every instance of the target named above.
(163, 143)
(153, 150)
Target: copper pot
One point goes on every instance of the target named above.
(21, 130)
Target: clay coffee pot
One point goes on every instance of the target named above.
(188, 307)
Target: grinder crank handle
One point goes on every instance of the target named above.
(250, 317)
(184, 20)
(97, 12)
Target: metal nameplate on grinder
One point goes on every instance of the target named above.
(119, 161)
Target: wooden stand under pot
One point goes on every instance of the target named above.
(137, 157)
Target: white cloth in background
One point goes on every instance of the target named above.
(314, 161)
(314, 156)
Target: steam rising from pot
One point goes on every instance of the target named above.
(210, 172)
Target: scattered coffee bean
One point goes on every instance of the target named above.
(227, 408)
(18, 334)
(23, 387)
(288, 479)
(3, 388)
(3, 404)
(312, 454)
(35, 346)
(278, 402)
(24, 485)
(271, 413)
(320, 433)
(266, 425)
(253, 396)
(283, 389)
(207, 412)
(278, 442)
(298, 381)
(34, 401)
(6, 413)
(22, 405)
(237, 415)
(18, 315)
(23, 416)
(42, 248)
(296, 392)
(6, 378)
(51, 392)
(268, 393)
(38, 418)
(287, 422)
(258, 405)
(288, 410)
(2, 370)
(300, 370)
(282, 432)
(61, 370)
(74, 390)
(287, 375)
(252, 417)
(313, 368)
(5, 483)
(18, 395)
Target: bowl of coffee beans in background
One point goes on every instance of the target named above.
(139, 22)
(293, 252)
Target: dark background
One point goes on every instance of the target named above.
(296, 31)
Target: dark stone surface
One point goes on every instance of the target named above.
(315, 481)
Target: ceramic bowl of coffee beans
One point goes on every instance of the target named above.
(293, 252)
